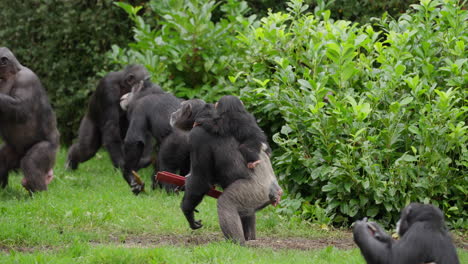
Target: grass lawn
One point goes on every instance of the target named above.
(91, 216)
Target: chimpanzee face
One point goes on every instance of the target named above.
(9, 66)
(184, 117)
(416, 212)
(134, 76)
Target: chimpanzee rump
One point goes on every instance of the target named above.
(27, 125)
(216, 159)
(105, 123)
(424, 238)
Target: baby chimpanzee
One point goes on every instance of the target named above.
(233, 120)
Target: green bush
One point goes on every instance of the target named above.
(65, 43)
(365, 121)
(185, 50)
(355, 10)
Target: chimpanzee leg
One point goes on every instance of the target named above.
(89, 141)
(195, 189)
(229, 218)
(133, 151)
(37, 166)
(248, 225)
(165, 164)
(115, 150)
(9, 160)
(146, 157)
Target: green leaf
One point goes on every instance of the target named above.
(400, 69)
(373, 211)
(304, 83)
(406, 101)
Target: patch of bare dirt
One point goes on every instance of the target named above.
(301, 243)
(261, 242)
(24, 249)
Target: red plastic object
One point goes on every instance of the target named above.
(178, 180)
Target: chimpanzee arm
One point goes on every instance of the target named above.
(374, 251)
(201, 175)
(134, 144)
(18, 105)
(110, 130)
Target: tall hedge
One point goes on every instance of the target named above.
(354, 10)
(65, 43)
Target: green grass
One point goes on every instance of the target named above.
(91, 216)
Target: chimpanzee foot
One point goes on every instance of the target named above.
(196, 225)
(70, 165)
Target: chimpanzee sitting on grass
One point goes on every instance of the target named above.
(424, 238)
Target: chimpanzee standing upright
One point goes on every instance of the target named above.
(27, 125)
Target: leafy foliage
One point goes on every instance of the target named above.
(65, 43)
(186, 51)
(355, 10)
(367, 121)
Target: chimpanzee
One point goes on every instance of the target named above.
(105, 123)
(233, 120)
(216, 159)
(424, 238)
(149, 110)
(27, 125)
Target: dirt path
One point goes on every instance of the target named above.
(261, 242)
(150, 241)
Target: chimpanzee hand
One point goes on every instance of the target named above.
(378, 232)
(363, 226)
(137, 188)
(253, 164)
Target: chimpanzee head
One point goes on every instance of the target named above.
(229, 103)
(185, 116)
(134, 76)
(417, 212)
(9, 65)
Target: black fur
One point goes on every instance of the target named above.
(105, 123)
(424, 238)
(216, 160)
(27, 125)
(149, 114)
(233, 120)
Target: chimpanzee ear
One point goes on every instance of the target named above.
(187, 109)
(3, 60)
(130, 79)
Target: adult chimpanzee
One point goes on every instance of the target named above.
(424, 238)
(105, 123)
(149, 110)
(27, 125)
(233, 120)
(216, 159)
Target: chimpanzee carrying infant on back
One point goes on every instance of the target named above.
(233, 120)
